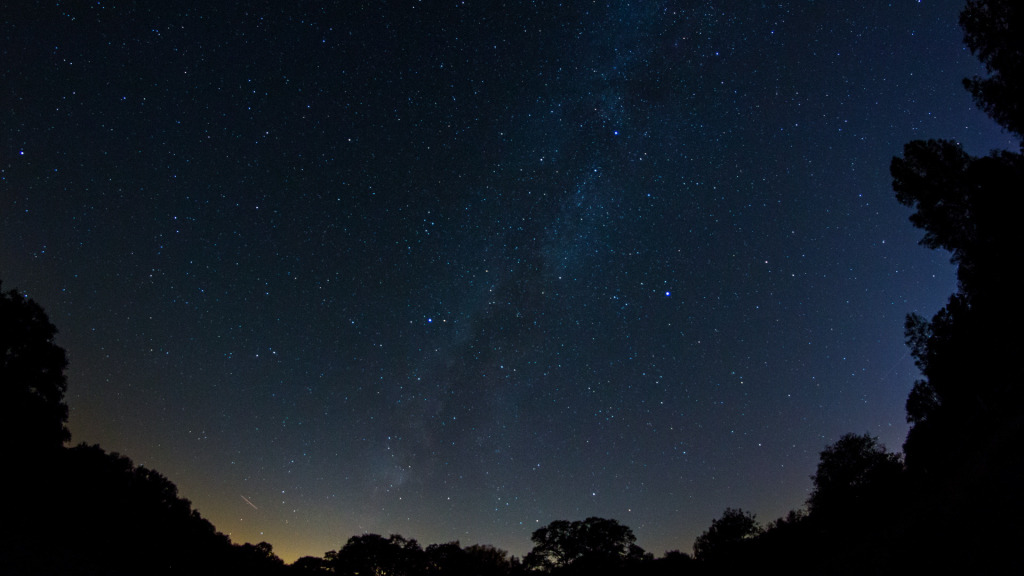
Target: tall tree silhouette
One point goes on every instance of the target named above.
(967, 411)
(33, 415)
(971, 207)
(81, 510)
(991, 29)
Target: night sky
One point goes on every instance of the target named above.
(454, 270)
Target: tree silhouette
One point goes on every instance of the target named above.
(255, 558)
(971, 380)
(374, 555)
(594, 544)
(672, 563)
(450, 559)
(81, 510)
(854, 473)
(98, 513)
(724, 542)
(967, 411)
(969, 206)
(309, 565)
(486, 559)
(33, 415)
(990, 31)
(447, 559)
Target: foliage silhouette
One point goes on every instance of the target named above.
(591, 545)
(602, 547)
(118, 518)
(856, 505)
(309, 565)
(372, 554)
(255, 559)
(969, 206)
(33, 414)
(448, 558)
(81, 510)
(451, 559)
(967, 412)
(727, 538)
(672, 563)
(853, 474)
(990, 31)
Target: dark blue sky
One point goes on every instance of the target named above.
(455, 270)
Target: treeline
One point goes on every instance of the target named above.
(951, 503)
(82, 510)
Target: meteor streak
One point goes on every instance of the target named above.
(249, 503)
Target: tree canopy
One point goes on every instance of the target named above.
(992, 32)
(373, 554)
(594, 542)
(33, 414)
(967, 411)
(726, 535)
(851, 474)
(970, 206)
